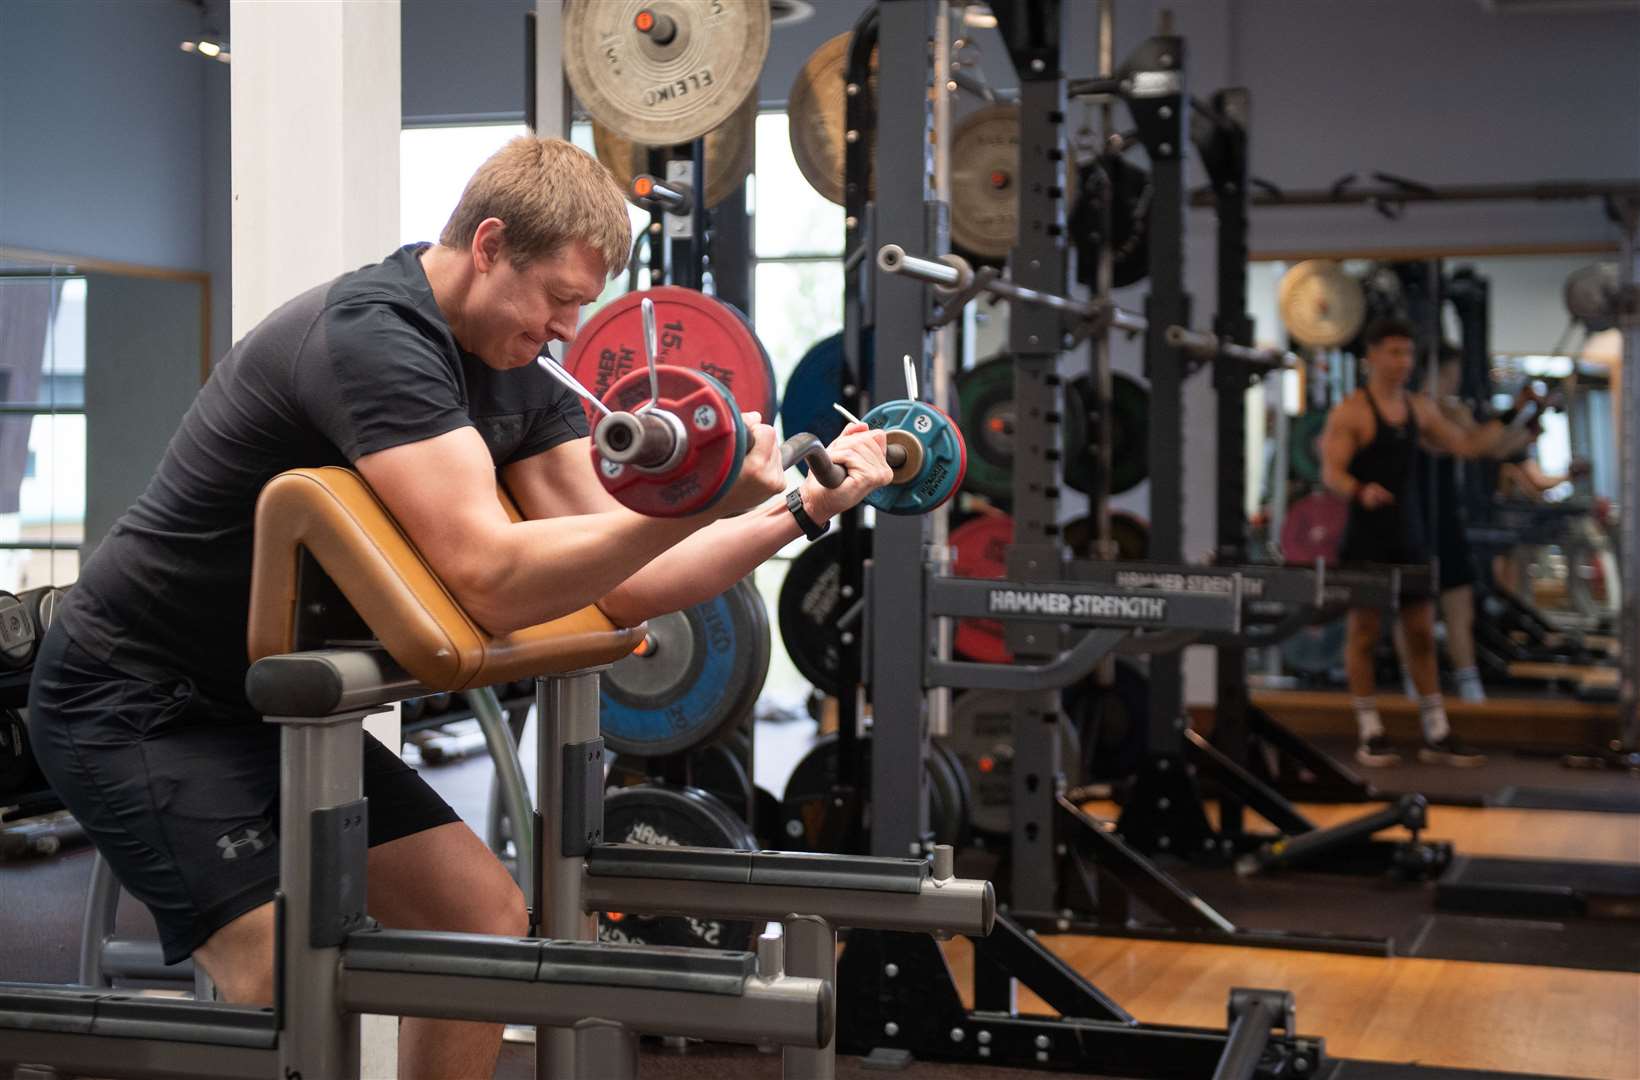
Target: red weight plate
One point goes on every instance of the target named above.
(981, 545)
(692, 331)
(709, 463)
(1314, 528)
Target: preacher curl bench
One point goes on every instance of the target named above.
(345, 618)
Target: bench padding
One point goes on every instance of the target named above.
(334, 516)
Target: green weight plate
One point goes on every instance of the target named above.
(664, 816)
(986, 396)
(695, 675)
(1304, 445)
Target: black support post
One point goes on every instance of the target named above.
(899, 785)
(1036, 334)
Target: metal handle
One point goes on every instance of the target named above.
(808, 448)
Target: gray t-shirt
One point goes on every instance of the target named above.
(361, 364)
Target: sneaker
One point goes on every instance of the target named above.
(1471, 690)
(1377, 752)
(1450, 751)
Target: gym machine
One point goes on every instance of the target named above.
(1054, 889)
(332, 566)
(902, 1001)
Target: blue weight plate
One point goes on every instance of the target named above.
(697, 673)
(945, 457)
(816, 384)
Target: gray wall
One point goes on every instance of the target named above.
(142, 347)
(114, 142)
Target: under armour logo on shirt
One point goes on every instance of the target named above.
(247, 841)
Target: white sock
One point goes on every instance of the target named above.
(1469, 684)
(1432, 711)
(1366, 717)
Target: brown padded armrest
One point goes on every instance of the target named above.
(333, 515)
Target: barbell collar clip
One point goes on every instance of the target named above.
(652, 192)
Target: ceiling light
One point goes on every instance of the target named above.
(210, 46)
(979, 16)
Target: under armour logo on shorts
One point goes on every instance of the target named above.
(247, 841)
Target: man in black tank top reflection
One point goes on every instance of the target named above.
(1369, 456)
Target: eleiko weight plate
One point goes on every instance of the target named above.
(982, 743)
(664, 816)
(807, 805)
(981, 546)
(690, 679)
(692, 330)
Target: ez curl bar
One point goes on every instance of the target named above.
(670, 441)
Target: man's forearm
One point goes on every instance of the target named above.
(545, 569)
(702, 566)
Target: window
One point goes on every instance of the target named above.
(42, 428)
(797, 254)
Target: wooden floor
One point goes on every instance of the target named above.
(1541, 721)
(1435, 1012)
(1438, 1012)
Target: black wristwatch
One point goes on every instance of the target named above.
(794, 503)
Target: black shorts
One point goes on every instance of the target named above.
(180, 793)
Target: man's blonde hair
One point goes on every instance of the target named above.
(548, 193)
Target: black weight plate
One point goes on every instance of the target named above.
(437, 704)
(17, 637)
(985, 393)
(696, 674)
(1131, 533)
(1129, 434)
(1079, 436)
(807, 802)
(768, 828)
(1129, 220)
(950, 810)
(18, 772)
(811, 602)
(1113, 722)
(42, 606)
(412, 710)
(673, 817)
(982, 744)
(714, 768)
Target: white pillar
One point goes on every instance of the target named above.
(552, 96)
(315, 192)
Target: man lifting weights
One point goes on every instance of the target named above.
(1368, 455)
(420, 372)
